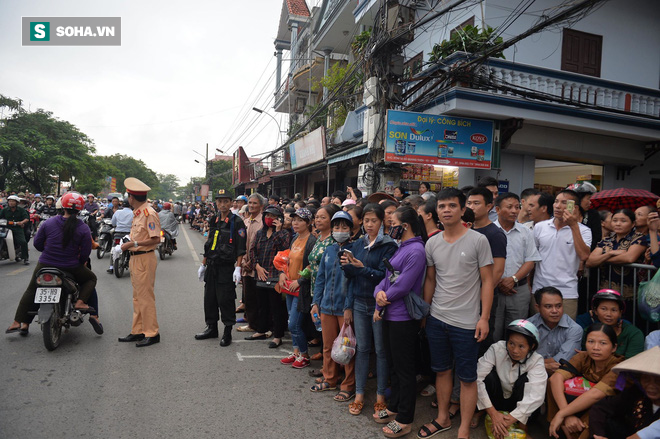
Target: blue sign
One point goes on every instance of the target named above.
(438, 140)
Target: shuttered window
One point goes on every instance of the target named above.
(581, 52)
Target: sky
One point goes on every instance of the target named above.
(186, 74)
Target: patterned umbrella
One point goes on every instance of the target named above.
(622, 198)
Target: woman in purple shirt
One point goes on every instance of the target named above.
(65, 243)
(400, 329)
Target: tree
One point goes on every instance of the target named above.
(168, 186)
(220, 173)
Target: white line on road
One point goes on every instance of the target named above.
(17, 271)
(242, 357)
(192, 249)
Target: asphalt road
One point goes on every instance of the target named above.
(94, 386)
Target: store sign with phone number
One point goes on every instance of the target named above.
(438, 140)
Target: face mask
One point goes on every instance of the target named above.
(268, 222)
(396, 232)
(341, 237)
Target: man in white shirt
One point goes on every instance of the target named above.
(122, 220)
(563, 242)
(521, 254)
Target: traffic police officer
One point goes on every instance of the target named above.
(144, 238)
(223, 254)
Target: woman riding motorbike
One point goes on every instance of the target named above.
(65, 244)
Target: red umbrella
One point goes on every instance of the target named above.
(622, 198)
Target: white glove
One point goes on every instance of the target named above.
(237, 275)
(200, 273)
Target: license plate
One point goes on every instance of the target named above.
(47, 295)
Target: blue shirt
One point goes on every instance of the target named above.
(650, 432)
(122, 220)
(560, 342)
(653, 339)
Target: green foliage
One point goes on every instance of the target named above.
(468, 39)
(220, 173)
(360, 42)
(345, 100)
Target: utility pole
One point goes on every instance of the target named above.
(209, 178)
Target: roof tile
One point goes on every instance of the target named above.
(298, 7)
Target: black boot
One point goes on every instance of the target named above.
(211, 331)
(226, 337)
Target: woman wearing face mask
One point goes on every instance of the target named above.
(595, 365)
(330, 302)
(268, 241)
(607, 306)
(512, 378)
(399, 328)
(637, 406)
(364, 270)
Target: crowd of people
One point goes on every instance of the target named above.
(470, 292)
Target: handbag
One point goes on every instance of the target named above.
(269, 283)
(416, 306)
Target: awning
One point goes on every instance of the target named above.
(350, 154)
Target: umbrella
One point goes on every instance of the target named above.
(622, 198)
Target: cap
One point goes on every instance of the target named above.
(135, 186)
(303, 213)
(348, 201)
(644, 362)
(242, 198)
(342, 215)
(273, 210)
(377, 197)
(223, 194)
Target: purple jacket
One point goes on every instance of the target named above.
(49, 242)
(410, 261)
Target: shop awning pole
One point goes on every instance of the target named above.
(327, 170)
(495, 159)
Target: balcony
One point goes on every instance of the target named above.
(518, 83)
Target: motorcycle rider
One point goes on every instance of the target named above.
(93, 208)
(121, 221)
(168, 222)
(65, 244)
(13, 212)
(49, 208)
(114, 207)
(37, 204)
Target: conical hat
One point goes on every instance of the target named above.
(645, 362)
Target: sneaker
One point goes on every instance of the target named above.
(300, 363)
(289, 360)
(26, 262)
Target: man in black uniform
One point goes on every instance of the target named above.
(223, 253)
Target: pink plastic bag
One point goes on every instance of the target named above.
(343, 348)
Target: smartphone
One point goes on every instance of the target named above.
(344, 252)
(570, 205)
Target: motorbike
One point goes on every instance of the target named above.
(84, 216)
(35, 219)
(57, 293)
(106, 232)
(7, 250)
(121, 262)
(166, 246)
(44, 217)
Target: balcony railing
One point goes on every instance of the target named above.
(542, 84)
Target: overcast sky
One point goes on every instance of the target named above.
(183, 75)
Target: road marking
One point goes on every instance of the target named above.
(192, 249)
(241, 357)
(17, 271)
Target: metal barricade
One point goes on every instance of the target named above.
(618, 281)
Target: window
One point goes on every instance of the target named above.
(581, 52)
(413, 66)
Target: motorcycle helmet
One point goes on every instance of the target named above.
(583, 187)
(274, 211)
(37, 195)
(73, 200)
(528, 330)
(608, 294)
(167, 206)
(90, 195)
(58, 204)
(13, 197)
(50, 197)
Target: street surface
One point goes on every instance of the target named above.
(94, 386)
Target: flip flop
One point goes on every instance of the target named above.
(429, 390)
(382, 417)
(427, 431)
(98, 327)
(355, 408)
(256, 337)
(397, 430)
(12, 330)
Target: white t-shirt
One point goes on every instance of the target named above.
(457, 297)
(559, 262)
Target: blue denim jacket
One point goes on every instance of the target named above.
(331, 286)
(363, 280)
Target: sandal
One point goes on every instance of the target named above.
(427, 431)
(12, 330)
(429, 390)
(397, 430)
(379, 406)
(344, 396)
(383, 417)
(476, 419)
(320, 380)
(322, 387)
(314, 344)
(316, 373)
(452, 415)
(355, 408)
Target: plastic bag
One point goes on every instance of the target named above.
(343, 348)
(576, 386)
(200, 273)
(648, 299)
(116, 252)
(281, 261)
(514, 432)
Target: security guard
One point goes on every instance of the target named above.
(145, 237)
(19, 218)
(223, 254)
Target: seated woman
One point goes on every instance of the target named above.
(607, 306)
(65, 244)
(571, 413)
(637, 407)
(625, 246)
(512, 378)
